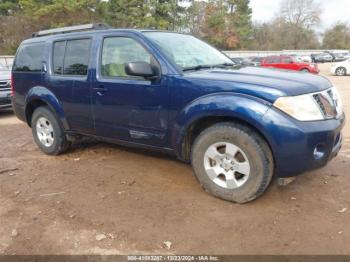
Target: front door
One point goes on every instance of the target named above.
(126, 107)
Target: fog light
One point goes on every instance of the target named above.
(319, 152)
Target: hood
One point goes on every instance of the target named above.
(268, 84)
(5, 75)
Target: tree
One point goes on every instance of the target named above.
(126, 13)
(278, 35)
(301, 13)
(337, 37)
(298, 17)
(164, 14)
(9, 7)
(55, 13)
(240, 21)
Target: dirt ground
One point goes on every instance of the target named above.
(137, 200)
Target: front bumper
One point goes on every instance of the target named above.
(5, 99)
(301, 146)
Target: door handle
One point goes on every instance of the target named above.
(101, 90)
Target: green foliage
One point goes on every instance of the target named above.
(54, 13)
(9, 7)
(337, 37)
(224, 23)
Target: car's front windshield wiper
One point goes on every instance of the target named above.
(196, 68)
(199, 67)
(224, 65)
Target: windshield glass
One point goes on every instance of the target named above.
(187, 51)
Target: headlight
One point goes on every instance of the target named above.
(303, 107)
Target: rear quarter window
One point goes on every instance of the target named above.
(29, 58)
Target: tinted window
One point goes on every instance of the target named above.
(29, 58)
(288, 60)
(76, 58)
(58, 56)
(120, 50)
(273, 60)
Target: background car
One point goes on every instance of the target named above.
(303, 58)
(256, 60)
(321, 58)
(339, 56)
(5, 88)
(242, 61)
(289, 62)
(341, 68)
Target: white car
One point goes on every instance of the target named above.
(341, 68)
(304, 58)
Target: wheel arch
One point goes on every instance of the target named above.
(245, 111)
(41, 96)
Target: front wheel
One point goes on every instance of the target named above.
(305, 70)
(232, 162)
(341, 71)
(47, 132)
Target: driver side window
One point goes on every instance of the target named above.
(117, 51)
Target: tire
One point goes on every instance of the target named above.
(253, 151)
(341, 71)
(305, 70)
(47, 132)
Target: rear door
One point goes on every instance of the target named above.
(69, 81)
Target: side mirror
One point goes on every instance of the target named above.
(142, 69)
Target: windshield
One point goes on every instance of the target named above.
(187, 51)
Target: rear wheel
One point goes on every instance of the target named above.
(341, 71)
(48, 133)
(232, 162)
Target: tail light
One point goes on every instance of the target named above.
(12, 86)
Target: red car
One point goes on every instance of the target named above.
(289, 63)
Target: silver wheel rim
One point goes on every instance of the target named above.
(44, 131)
(226, 165)
(341, 71)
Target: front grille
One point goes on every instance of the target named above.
(328, 104)
(5, 85)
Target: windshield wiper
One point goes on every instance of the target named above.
(196, 68)
(199, 67)
(223, 65)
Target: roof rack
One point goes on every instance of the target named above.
(70, 29)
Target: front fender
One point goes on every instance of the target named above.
(238, 106)
(39, 93)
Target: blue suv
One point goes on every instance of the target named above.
(237, 126)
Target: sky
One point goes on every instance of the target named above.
(333, 11)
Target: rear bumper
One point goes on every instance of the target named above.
(299, 147)
(19, 110)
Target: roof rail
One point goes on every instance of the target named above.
(70, 29)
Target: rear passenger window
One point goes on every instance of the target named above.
(29, 58)
(71, 57)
